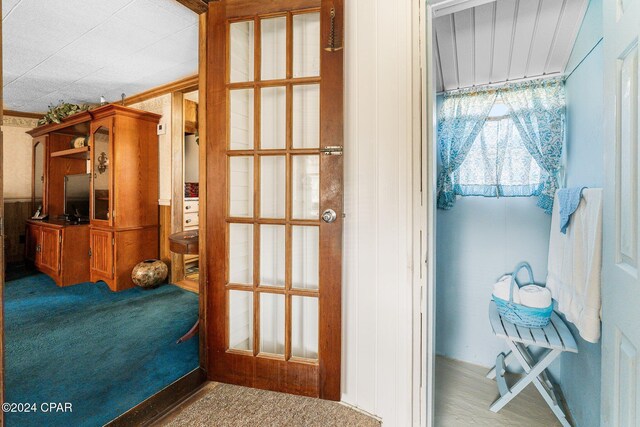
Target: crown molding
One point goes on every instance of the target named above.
(183, 85)
(20, 122)
(24, 114)
(198, 6)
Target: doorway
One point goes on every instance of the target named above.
(476, 47)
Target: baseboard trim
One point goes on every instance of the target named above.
(158, 405)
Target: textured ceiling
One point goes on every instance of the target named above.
(79, 50)
(505, 40)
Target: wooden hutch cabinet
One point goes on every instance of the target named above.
(120, 161)
(124, 195)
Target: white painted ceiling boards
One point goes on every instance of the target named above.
(79, 50)
(484, 41)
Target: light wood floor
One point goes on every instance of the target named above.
(463, 396)
(189, 284)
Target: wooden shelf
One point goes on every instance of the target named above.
(73, 153)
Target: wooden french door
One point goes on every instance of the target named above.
(274, 203)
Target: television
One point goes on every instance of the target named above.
(77, 195)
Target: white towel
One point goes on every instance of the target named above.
(575, 263)
(501, 289)
(535, 296)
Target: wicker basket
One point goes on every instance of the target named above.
(519, 314)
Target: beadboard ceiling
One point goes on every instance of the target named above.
(503, 40)
(79, 50)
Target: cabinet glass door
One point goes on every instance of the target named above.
(101, 154)
(38, 174)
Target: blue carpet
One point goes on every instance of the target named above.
(103, 352)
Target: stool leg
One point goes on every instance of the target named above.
(532, 375)
(507, 360)
(541, 381)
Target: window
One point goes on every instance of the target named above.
(504, 142)
(498, 164)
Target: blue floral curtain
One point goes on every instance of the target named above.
(462, 117)
(498, 164)
(519, 154)
(537, 109)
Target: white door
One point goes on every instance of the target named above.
(621, 263)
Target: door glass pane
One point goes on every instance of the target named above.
(273, 173)
(241, 254)
(306, 45)
(306, 116)
(271, 323)
(38, 174)
(101, 173)
(241, 120)
(273, 121)
(304, 327)
(241, 51)
(273, 34)
(305, 248)
(306, 187)
(272, 255)
(241, 320)
(241, 187)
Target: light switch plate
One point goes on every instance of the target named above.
(161, 129)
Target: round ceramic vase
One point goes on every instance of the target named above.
(150, 273)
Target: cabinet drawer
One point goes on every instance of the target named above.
(191, 206)
(190, 219)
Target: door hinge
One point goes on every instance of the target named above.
(332, 150)
(90, 253)
(113, 241)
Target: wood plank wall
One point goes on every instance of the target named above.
(16, 214)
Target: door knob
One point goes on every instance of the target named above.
(329, 216)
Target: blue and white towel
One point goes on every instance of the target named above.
(568, 199)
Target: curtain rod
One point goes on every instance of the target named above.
(488, 85)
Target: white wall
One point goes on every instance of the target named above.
(17, 160)
(478, 240)
(162, 105)
(377, 318)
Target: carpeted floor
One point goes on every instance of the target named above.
(101, 351)
(224, 405)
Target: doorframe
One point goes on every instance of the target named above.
(429, 170)
(2, 258)
(177, 172)
(422, 228)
